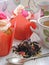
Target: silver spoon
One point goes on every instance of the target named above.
(16, 60)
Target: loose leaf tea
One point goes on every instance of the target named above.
(27, 49)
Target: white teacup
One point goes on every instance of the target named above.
(42, 30)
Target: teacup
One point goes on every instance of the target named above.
(42, 30)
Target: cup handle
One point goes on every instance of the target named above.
(36, 31)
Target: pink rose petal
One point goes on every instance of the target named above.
(2, 16)
(24, 13)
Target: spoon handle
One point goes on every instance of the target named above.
(41, 56)
(13, 60)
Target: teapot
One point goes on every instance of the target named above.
(23, 23)
(22, 30)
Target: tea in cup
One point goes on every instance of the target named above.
(46, 23)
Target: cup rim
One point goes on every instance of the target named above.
(42, 24)
(41, 4)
